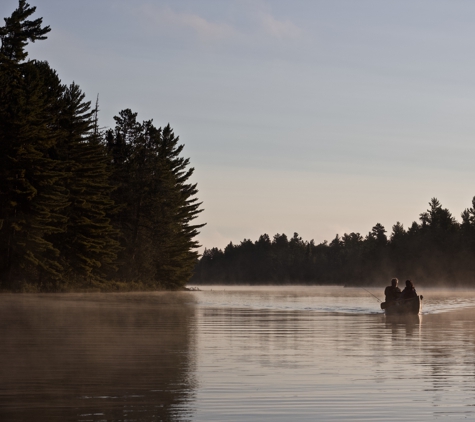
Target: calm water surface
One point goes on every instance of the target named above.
(236, 354)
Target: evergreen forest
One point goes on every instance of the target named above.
(82, 207)
(436, 250)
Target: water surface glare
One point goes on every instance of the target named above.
(235, 354)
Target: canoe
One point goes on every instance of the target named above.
(411, 306)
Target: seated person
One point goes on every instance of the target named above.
(392, 292)
(409, 291)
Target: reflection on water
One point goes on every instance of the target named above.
(95, 357)
(241, 354)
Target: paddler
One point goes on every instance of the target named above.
(392, 292)
(409, 291)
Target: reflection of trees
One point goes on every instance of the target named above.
(110, 357)
(268, 338)
(450, 352)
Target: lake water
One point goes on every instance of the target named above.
(236, 354)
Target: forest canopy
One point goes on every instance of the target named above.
(82, 207)
(434, 251)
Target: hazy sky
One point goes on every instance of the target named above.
(316, 117)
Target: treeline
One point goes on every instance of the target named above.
(82, 207)
(436, 250)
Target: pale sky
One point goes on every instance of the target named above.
(316, 117)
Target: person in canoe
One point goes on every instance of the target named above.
(392, 292)
(409, 291)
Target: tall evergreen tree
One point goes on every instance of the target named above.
(16, 33)
(89, 243)
(158, 204)
(33, 197)
(178, 255)
(31, 194)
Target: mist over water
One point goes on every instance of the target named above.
(236, 354)
(95, 357)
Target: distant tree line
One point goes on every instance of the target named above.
(82, 207)
(437, 250)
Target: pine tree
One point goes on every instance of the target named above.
(157, 203)
(178, 254)
(128, 177)
(89, 244)
(31, 193)
(16, 33)
(32, 196)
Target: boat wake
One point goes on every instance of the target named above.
(332, 300)
(435, 306)
(323, 308)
